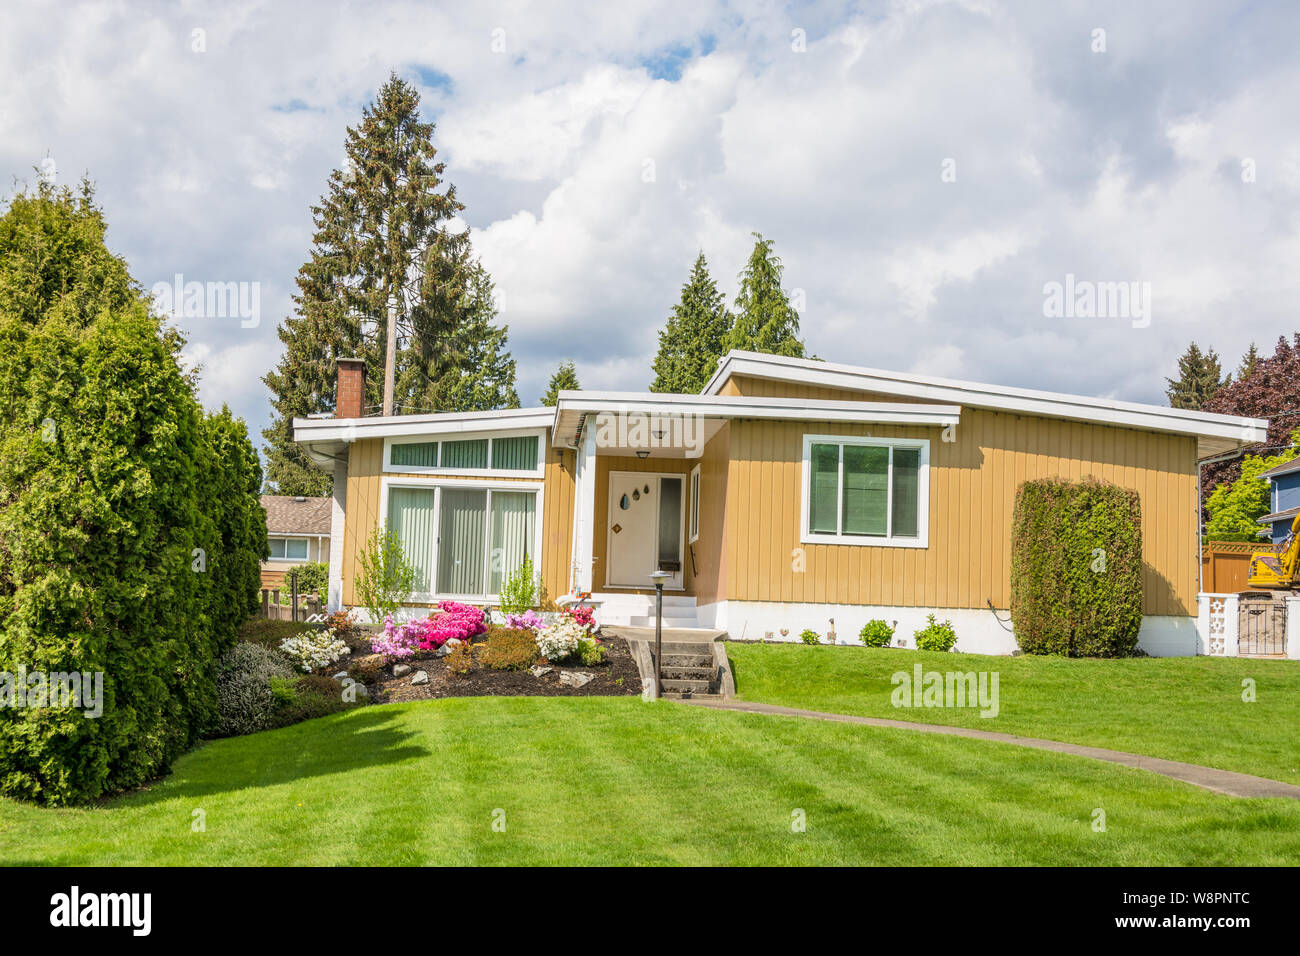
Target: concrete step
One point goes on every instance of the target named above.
(689, 673)
(647, 620)
(693, 687)
(688, 660)
(674, 695)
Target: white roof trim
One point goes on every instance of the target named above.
(571, 406)
(447, 423)
(1231, 429)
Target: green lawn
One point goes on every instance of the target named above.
(608, 781)
(1181, 708)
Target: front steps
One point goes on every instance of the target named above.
(629, 609)
(688, 671)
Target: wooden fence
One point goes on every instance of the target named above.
(1225, 565)
(307, 606)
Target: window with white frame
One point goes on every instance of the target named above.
(693, 519)
(288, 549)
(865, 490)
(516, 454)
(463, 540)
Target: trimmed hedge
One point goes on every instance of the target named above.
(130, 529)
(1076, 568)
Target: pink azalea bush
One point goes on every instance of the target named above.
(583, 615)
(452, 620)
(530, 620)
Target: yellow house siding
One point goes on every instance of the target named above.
(557, 522)
(972, 496)
(710, 549)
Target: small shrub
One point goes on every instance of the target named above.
(343, 625)
(283, 690)
(314, 696)
(313, 578)
(313, 650)
(386, 578)
(558, 642)
(519, 589)
(530, 620)
(460, 659)
(590, 652)
(876, 633)
(270, 633)
(509, 650)
(583, 615)
(246, 702)
(935, 636)
(366, 672)
(809, 636)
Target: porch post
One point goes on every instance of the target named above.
(585, 509)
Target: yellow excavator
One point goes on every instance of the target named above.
(1277, 570)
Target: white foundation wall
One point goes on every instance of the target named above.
(978, 632)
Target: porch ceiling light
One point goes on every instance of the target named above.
(643, 453)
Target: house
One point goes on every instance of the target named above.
(1284, 500)
(788, 494)
(297, 531)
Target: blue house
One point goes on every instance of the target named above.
(1284, 499)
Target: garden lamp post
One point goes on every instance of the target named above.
(659, 577)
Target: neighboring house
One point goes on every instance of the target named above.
(789, 493)
(1284, 500)
(297, 531)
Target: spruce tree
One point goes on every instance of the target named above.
(1199, 377)
(692, 341)
(565, 377)
(1248, 363)
(765, 320)
(383, 230)
(486, 378)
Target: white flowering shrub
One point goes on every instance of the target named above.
(314, 649)
(560, 640)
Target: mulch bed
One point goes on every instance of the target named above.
(618, 676)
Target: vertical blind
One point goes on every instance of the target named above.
(864, 490)
(410, 514)
(470, 453)
(461, 541)
(423, 454)
(478, 538)
(512, 534)
(514, 454)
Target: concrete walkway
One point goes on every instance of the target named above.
(1220, 781)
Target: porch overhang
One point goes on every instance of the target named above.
(705, 414)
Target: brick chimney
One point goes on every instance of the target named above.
(351, 388)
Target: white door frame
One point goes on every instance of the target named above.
(681, 537)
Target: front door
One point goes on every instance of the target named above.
(645, 529)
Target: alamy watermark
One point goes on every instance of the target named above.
(210, 300)
(74, 690)
(1085, 299)
(923, 688)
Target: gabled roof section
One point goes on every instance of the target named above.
(286, 514)
(1215, 433)
(1286, 468)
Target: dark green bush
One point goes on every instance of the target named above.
(313, 578)
(130, 522)
(314, 696)
(876, 633)
(1076, 568)
(269, 633)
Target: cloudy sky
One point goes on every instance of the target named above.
(924, 168)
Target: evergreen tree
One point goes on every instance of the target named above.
(486, 378)
(1248, 363)
(1199, 377)
(692, 342)
(383, 231)
(565, 377)
(765, 320)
